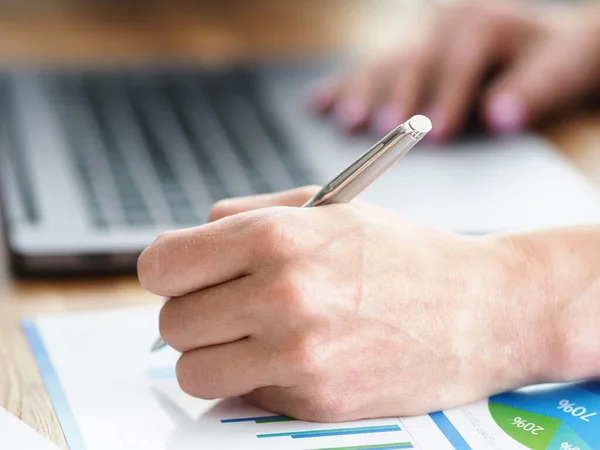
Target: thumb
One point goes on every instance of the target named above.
(536, 85)
(231, 206)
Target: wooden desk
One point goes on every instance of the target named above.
(210, 31)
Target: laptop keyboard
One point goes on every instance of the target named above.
(160, 150)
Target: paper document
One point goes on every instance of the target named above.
(109, 392)
(15, 435)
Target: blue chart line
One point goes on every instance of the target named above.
(392, 446)
(161, 373)
(332, 432)
(54, 387)
(451, 433)
(259, 419)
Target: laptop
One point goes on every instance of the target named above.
(95, 163)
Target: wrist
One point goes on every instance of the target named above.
(563, 268)
(532, 333)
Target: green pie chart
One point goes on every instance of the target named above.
(515, 422)
(559, 418)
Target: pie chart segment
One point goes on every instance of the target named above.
(592, 386)
(533, 430)
(566, 439)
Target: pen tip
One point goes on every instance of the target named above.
(158, 344)
(421, 125)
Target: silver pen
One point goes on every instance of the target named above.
(366, 169)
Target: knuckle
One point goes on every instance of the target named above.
(192, 381)
(307, 357)
(169, 325)
(324, 405)
(291, 297)
(222, 208)
(279, 235)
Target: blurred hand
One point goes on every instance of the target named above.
(344, 312)
(544, 57)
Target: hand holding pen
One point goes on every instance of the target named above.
(347, 311)
(366, 169)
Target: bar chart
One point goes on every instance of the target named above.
(332, 432)
(282, 430)
(239, 421)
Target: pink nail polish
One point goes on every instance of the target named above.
(505, 115)
(352, 114)
(387, 118)
(320, 98)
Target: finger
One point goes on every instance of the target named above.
(362, 94)
(540, 82)
(184, 261)
(412, 77)
(293, 403)
(409, 92)
(323, 94)
(473, 50)
(292, 197)
(216, 315)
(227, 370)
(279, 400)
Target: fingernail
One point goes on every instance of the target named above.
(387, 118)
(351, 114)
(438, 131)
(505, 115)
(320, 97)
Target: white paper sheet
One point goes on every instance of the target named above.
(15, 435)
(487, 185)
(109, 392)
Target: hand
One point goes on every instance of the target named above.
(344, 312)
(547, 56)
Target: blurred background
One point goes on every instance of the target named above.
(123, 119)
(128, 32)
(119, 120)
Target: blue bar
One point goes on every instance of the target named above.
(391, 446)
(395, 447)
(347, 432)
(161, 373)
(450, 431)
(251, 419)
(55, 390)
